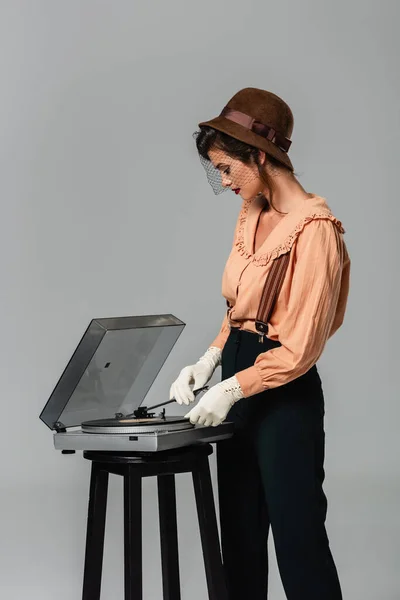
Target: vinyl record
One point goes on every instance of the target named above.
(132, 421)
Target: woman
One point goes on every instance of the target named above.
(270, 472)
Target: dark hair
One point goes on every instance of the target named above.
(208, 138)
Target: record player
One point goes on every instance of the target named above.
(97, 402)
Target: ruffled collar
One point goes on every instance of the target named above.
(282, 237)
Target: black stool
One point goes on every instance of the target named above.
(133, 466)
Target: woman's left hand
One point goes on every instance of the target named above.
(216, 403)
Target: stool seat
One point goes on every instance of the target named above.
(133, 466)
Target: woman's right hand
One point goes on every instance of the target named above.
(196, 375)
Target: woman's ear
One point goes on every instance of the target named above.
(262, 156)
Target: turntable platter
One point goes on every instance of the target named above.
(139, 425)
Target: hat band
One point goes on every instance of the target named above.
(259, 128)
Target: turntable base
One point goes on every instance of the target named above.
(152, 440)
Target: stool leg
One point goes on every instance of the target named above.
(95, 533)
(169, 537)
(133, 534)
(209, 530)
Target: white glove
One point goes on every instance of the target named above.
(216, 403)
(198, 375)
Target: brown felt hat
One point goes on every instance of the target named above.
(259, 118)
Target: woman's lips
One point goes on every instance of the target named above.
(237, 190)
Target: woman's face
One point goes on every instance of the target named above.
(241, 178)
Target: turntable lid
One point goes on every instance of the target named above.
(112, 369)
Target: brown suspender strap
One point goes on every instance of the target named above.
(272, 287)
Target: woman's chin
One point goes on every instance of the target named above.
(248, 194)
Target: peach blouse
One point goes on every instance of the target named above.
(312, 301)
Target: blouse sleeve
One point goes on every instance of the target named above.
(320, 280)
(223, 334)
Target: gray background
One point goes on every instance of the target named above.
(106, 211)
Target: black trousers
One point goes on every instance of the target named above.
(270, 473)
